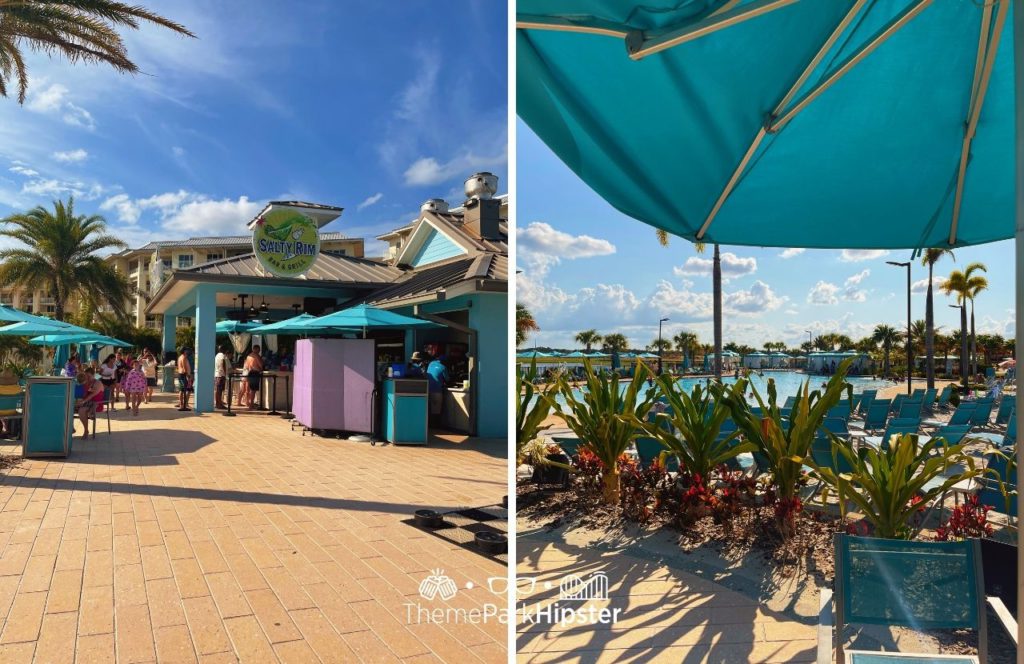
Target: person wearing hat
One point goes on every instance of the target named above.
(417, 365)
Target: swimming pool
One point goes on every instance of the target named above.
(787, 384)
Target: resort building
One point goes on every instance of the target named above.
(448, 266)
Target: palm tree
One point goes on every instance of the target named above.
(975, 284)
(525, 324)
(929, 258)
(685, 343)
(77, 30)
(887, 336)
(60, 255)
(716, 287)
(588, 338)
(615, 342)
(659, 345)
(958, 284)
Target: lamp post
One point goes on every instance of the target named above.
(810, 345)
(660, 321)
(910, 345)
(963, 343)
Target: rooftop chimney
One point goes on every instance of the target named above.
(482, 212)
(481, 185)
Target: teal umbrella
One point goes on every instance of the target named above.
(41, 326)
(534, 353)
(79, 340)
(292, 326)
(226, 326)
(364, 317)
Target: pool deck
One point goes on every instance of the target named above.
(187, 538)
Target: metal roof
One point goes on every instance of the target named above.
(220, 241)
(428, 281)
(329, 266)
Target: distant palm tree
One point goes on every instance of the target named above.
(659, 345)
(716, 287)
(77, 30)
(959, 284)
(929, 258)
(61, 255)
(686, 343)
(887, 336)
(615, 342)
(525, 324)
(976, 284)
(588, 338)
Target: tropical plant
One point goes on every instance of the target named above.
(60, 254)
(696, 420)
(525, 324)
(890, 484)
(887, 336)
(969, 520)
(975, 284)
(686, 343)
(659, 345)
(532, 409)
(615, 342)
(77, 30)
(918, 333)
(929, 258)
(957, 284)
(604, 418)
(185, 337)
(588, 338)
(784, 445)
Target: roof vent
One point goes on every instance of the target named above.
(438, 205)
(481, 185)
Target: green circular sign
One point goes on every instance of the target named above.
(286, 242)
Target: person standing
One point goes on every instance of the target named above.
(184, 370)
(134, 384)
(221, 372)
(253, 376)
(437, 380)
(88, 396)
(149, 369)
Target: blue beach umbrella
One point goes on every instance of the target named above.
(365, 317)
(871, 124)
(40, 326)
(228, 326)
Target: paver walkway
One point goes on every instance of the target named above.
(183, 538)
(667, 615)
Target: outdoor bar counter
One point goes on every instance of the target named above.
(455, 411)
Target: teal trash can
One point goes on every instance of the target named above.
(167, 385)
(47, 420)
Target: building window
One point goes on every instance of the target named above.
(184, 322)
(133, 265)
(151, 322)
(7, 298)
(214, 257)
(184, 261)
(27, 303)
(167, 263)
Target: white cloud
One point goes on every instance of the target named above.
(71, 156)
(757, 299)
(922, 285)
(178, 151)
(823, 293)
(791, 252)
(541, 238)
(732, 266)
(52, 100)
(421, 91)
(429, 171)
(53, 187)
(852, 290)
(858, 255)
(370, 200)
(213, 217)
(127, 210)
(24, 170)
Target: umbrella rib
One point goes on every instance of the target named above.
(528, 22)
(640, 44)
(982, 76)
(880, 37)
(762, 131)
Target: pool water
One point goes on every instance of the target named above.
(787, 384)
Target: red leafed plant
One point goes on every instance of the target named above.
(589, 470)
(640, 488)
(969, 519)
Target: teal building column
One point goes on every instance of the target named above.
(169, 332)
(410, 344)
(205, 351)
(488, 315)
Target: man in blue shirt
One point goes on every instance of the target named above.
(437, 379)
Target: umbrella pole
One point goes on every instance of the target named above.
(1018, 86)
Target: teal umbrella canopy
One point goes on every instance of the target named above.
(226, 326)
(874, 124)
(41, 326)
(290, 325)
(534, 353)
(11, 315)
(78, 339)
(364, 316)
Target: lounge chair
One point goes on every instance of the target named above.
(910, 408)
(841, 411)
(963, 412)
(569, 444)
(897, 402)
(895, 427)
(928, 403)
(952, 434)
(991, 483)
(876, 415)
(866, 397)
(893, 582)
(836, 426)
(944, 396)
(918, 393)
(648, 449)
(982, 412)
(1006, 408)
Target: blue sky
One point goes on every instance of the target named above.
(586, 265)
(371, 106)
